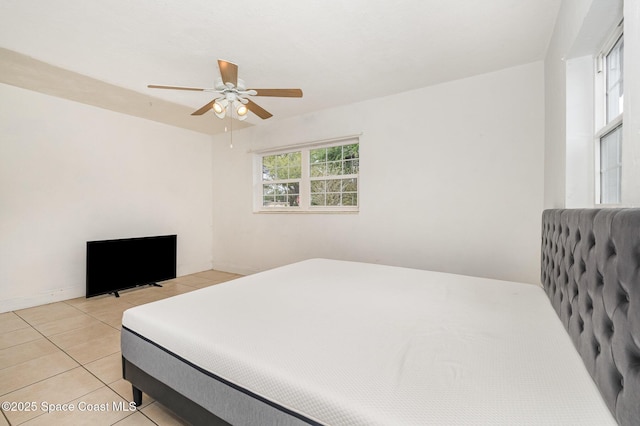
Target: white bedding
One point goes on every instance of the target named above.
(347, 343)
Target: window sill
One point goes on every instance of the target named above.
(306, 211)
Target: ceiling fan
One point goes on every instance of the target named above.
(233, 95)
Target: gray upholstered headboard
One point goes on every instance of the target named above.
(591, 272)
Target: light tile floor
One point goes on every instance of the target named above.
(67, 354)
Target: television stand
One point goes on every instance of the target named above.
(116, 294)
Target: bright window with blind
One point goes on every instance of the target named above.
(309, 178)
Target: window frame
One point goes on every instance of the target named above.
(602, 173)
(287, 182)
(605, 125)
(304, 205)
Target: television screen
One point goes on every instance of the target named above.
(114, 265)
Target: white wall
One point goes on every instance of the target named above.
(568, 24)
(70, 173)
(580, 149)
(451, 179)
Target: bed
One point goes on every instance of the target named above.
(326, 342)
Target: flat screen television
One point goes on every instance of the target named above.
(114, 265)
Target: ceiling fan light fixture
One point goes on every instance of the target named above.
(220, 107)
(241, 112)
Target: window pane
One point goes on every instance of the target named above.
(614, 89)
(318, 155)
(350, 199)
(610, 166)
(334, 153)
(281, 163)
(281, 173)
(318, 186)
(333, 185)
(333, 199)
(349, 185)
(268, 167)
(318, 170)
(351, 167)
(281, 195)
(295, 172)
(293, 194)
(351, 151)
(317, 199)
(334, 168)
(282, 166)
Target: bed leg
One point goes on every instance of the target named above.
(137, 396)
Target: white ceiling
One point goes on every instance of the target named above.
(337, 51)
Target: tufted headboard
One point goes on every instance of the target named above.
(591, 273)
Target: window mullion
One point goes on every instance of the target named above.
(305, 184)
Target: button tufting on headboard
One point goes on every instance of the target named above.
(591, 273)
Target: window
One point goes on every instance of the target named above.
(334, 175)
(609, 136)
(610, 166)
(613, 89)
(281, 175)
(310, 178)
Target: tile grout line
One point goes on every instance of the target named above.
(62, 372)
(212, 282)
(65, 352)
(47, 378)
(87, 313)
(79, 364)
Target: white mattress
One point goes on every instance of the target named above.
(347, 343)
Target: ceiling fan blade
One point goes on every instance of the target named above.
(229, 72)
(284, 93)
(258, 110)
(204, 109)
(155, 86)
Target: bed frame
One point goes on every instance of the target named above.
(590, 270)
(205, 392)
(591, 273)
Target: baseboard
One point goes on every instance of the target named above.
(62, 294)
(43, 298)
(233, 268)
(192, 268)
